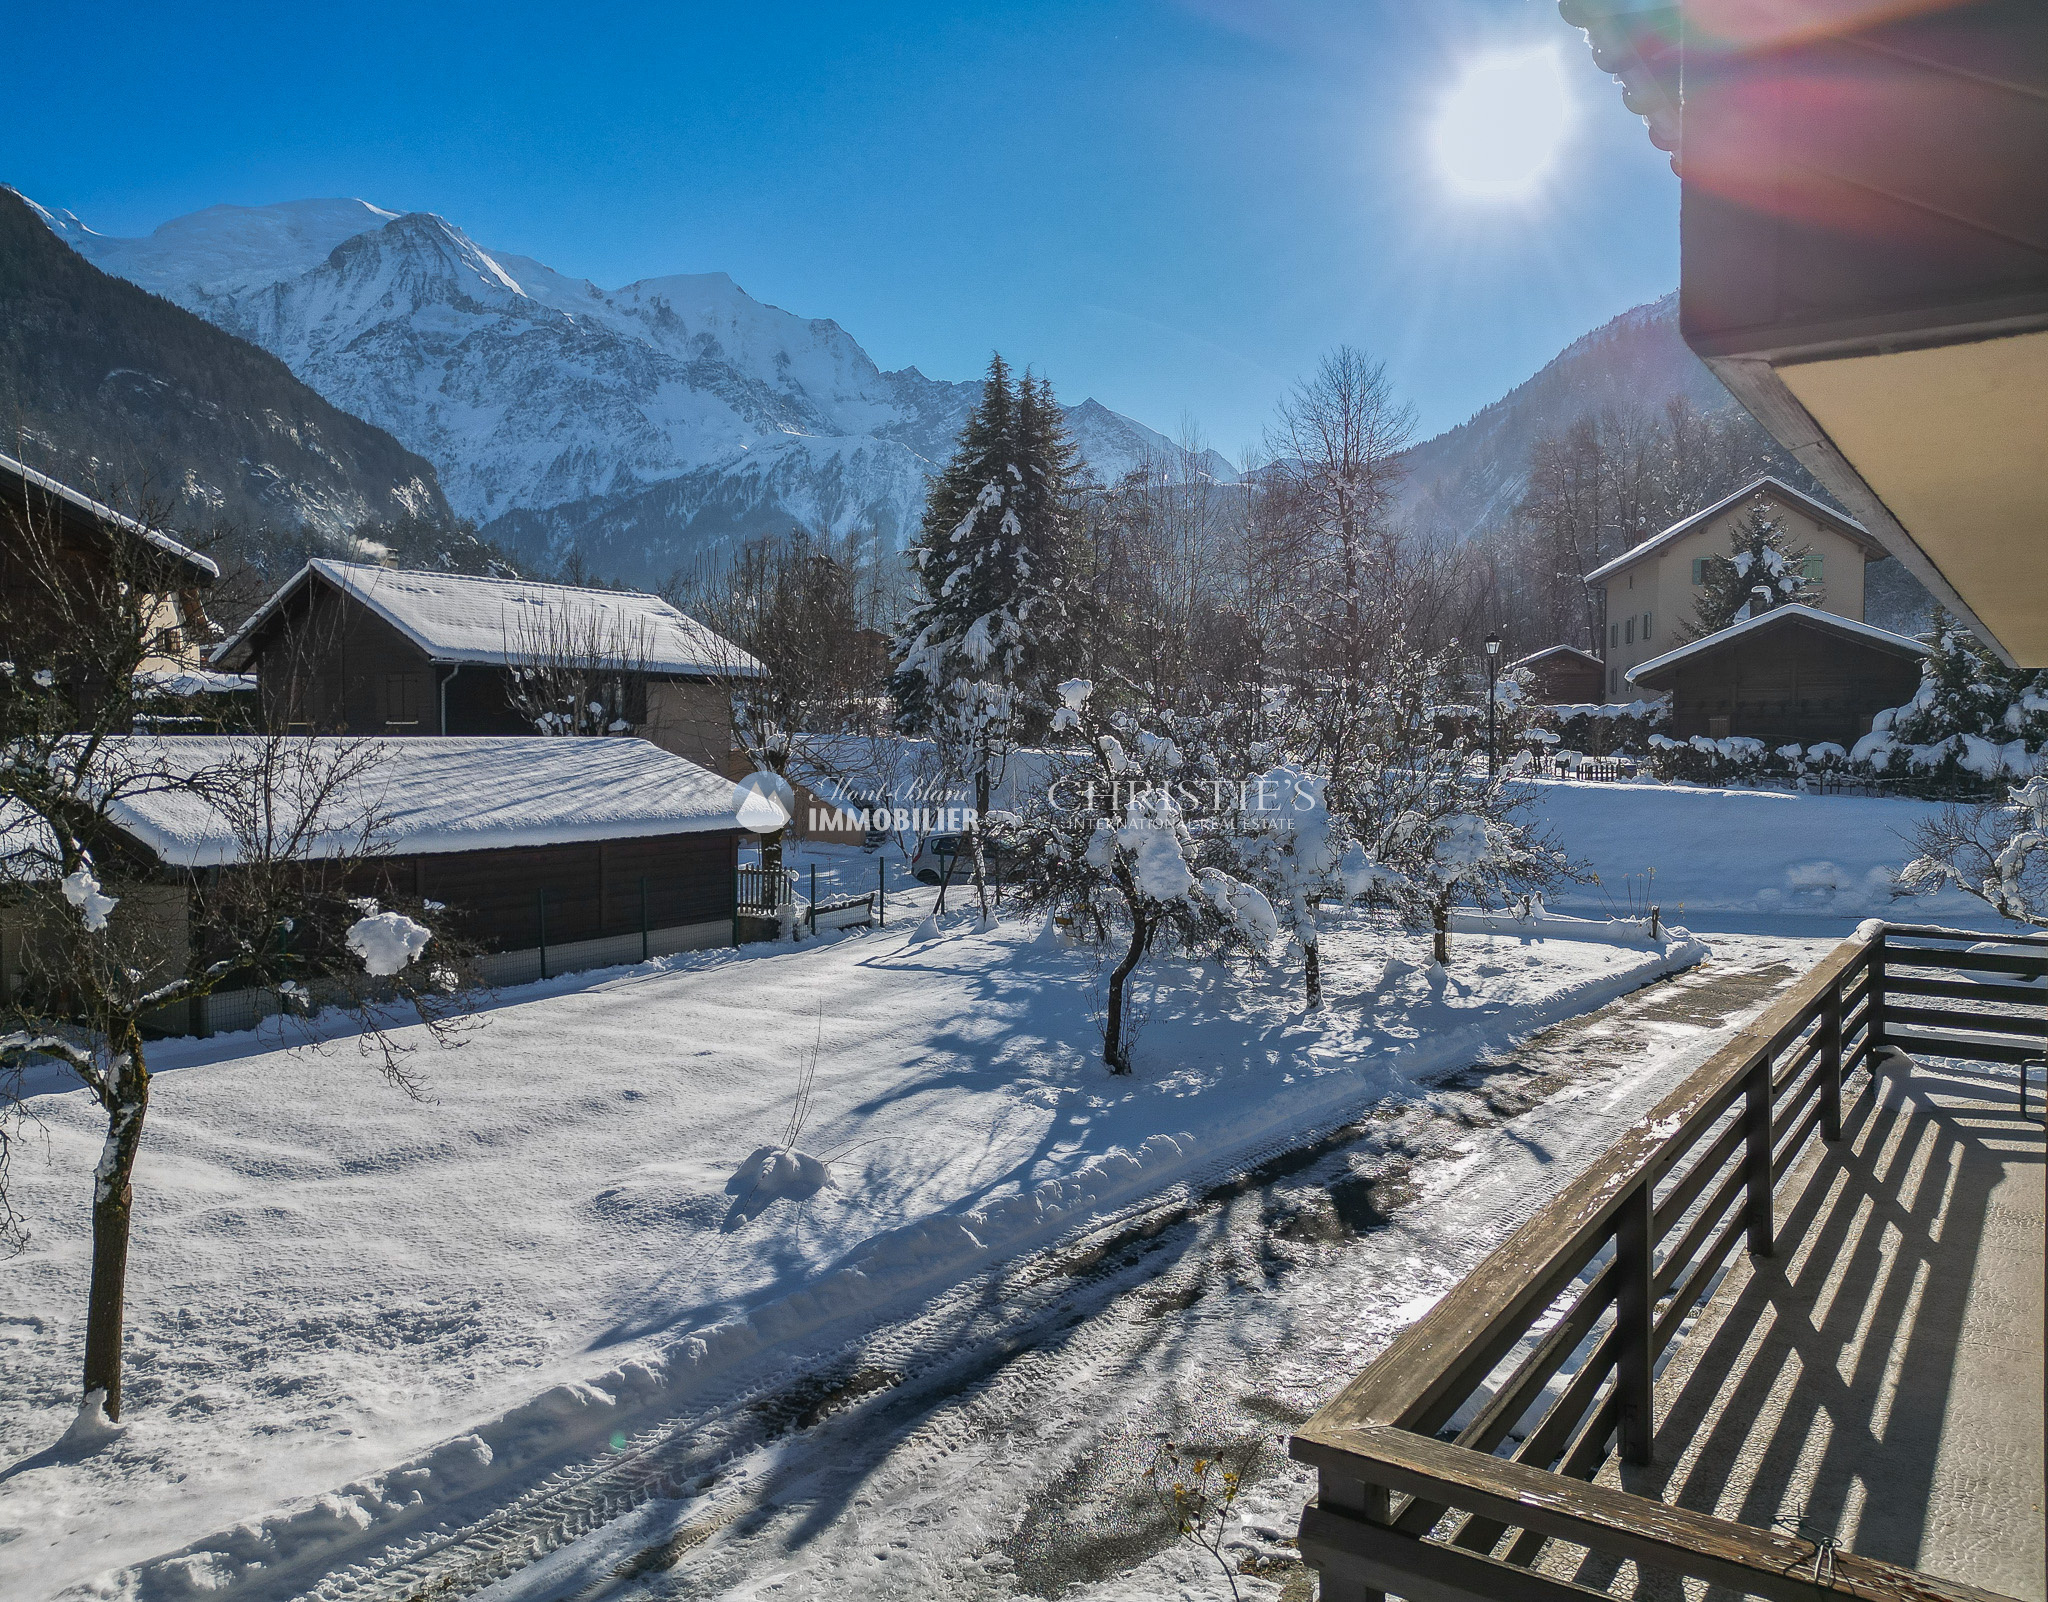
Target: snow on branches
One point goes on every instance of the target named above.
(1997, 853)
(1118, 853)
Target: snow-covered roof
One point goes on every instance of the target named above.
(459, 617)
(420, 796)
(1554, 650)
(1793, 612)
(1774, 486)
(102, 513)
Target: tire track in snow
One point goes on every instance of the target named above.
(696, 1502)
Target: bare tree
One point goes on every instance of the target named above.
(114, 937)
(579, 669)
(1337, 448)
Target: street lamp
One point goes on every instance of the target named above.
(1492, 678)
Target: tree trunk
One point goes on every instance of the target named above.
(1115, 1051)
(112, 1204)
(1312, 961)
(1443, 933)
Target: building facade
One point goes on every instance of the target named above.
(350, 648)
(1651, 591)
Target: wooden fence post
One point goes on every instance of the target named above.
(1756, 1163)
(881, 891)
(1372, 1503)
(1874, 1040)
(1831, 1066)
(1635, 1310)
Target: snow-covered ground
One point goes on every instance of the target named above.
(1763, 859)
(329, 1279)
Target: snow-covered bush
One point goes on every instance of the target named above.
(1436, 827)
(1299, 854)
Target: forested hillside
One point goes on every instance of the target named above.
(110, 387)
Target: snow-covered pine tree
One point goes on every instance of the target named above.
(991, 562)
(1762, 572)
(1966, 690)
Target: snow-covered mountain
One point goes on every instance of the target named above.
(123, 393)
(1473, 474)
(639, 425)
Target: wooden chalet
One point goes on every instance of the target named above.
(1795, 674)
(92, 543)
(1564, 675)
(551, 855)
(1651, 591)
(347, 647)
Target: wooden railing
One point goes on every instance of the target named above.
(1583, 1299)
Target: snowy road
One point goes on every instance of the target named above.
(997, 1443)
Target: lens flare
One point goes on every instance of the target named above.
(1500, 127)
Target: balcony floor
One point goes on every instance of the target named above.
(1881, 1378)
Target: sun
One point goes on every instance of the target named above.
(1501, 125)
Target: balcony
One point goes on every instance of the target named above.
(1620, 1402)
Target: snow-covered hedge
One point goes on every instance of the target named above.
(1622, 729)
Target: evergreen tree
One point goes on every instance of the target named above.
(991, 561)
(1764, 572)
(1965, 689)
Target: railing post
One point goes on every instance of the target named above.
(1635, 1321)
(1831, 1066)
(1372, 1503)
(1874, 1040)
(1756, 1163)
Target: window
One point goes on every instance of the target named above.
(404, 694)
(1613, 634)
(1628, 632)
(1647, 616)
(1811, 569)
(1699, 570)
(1613, 681)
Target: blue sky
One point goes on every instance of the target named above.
(1173, 205)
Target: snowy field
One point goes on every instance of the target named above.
(330, 1280)
(1754, 859)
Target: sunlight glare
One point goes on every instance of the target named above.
(1502, 123)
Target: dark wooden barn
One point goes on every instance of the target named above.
(1793, 675)
(548, 854)
(1564, 676)
(349, 648)
(51, 531)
